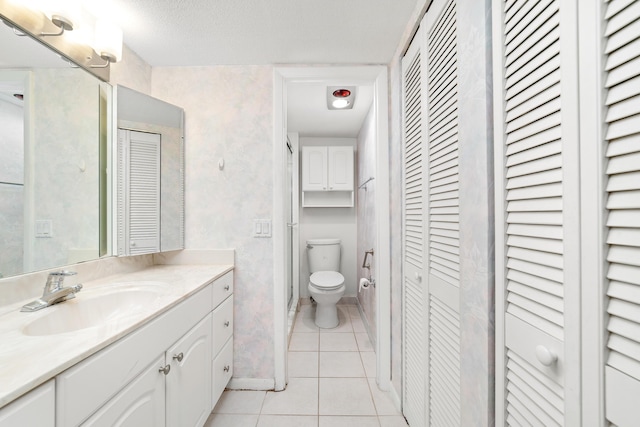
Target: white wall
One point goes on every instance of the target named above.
(237, 126)
(317, 223)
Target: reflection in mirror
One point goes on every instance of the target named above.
(51, 116)
(150, 174)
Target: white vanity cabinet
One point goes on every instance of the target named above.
(159, 375)
(35, 408)
(327, 176)
(222, 337)
(188, 383)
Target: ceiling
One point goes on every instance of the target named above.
(254, 32)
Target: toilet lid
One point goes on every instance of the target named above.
(326, 280)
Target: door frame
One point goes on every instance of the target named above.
(377, 76)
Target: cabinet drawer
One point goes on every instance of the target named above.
(222, 288)
(222, 325)
(222, 370)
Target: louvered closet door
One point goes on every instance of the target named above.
(140, 192)
(622, 63)
(443, 249)
(414, 242)
(537, 243)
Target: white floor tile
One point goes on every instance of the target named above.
(240, 402)
(287, 421)
(392, 421)
(299, 398)
(369, 363)
(305, 322)
(303, 364)
(358, 324)
(338, 342)
(228, 420)
(364, 344)
(348, 421)
(303, 341)
(345, 396)
(382, 400)
(341, 364)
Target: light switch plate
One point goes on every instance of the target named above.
(44, 228)
(261, 228)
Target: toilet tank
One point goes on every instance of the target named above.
(323, 255)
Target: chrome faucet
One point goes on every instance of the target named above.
(54, 292)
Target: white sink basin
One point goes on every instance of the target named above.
(98, 309)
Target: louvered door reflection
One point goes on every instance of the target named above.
(139, 195)
(622, 83)
(414, 236)
(536, 178)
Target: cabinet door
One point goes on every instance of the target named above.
(36, 408)
(139, 404)
(314, 168)
(340, 168)
(189, 381)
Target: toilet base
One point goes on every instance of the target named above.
(327, 316)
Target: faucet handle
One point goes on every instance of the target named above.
(63, 273)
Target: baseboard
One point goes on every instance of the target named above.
(395, 398)
(251, 384)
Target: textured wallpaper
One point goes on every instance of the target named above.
(64, 162)
(229, 116)
(11, 188)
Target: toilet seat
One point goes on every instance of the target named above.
(326, 280)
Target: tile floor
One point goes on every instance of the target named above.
(331, 382)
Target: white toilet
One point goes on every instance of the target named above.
(326, 284)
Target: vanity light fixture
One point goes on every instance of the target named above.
(108, 42)
(64, 14)
(340, 97)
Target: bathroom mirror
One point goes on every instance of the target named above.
(54, 123)
(150, 183)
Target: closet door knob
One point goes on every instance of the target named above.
(226, 324)
(226, 288)
(418, 276)
(165, 370)
(546, 356)
(226, 368)
(178, 357)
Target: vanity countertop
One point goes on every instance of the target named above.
(28, 360)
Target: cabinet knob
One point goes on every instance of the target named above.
(226, 368)
(178, 357)
(165, 370)
(226, 288)
(546, 356)
(226, 324)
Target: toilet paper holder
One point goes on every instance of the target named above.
(370, 281)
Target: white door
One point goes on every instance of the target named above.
(340, 168)
(431, 394)
(314, 168)
(188, 383)
(537, 213)
(415, 367)
(621, 59)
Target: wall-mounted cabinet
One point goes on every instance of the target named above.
(327, 176)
